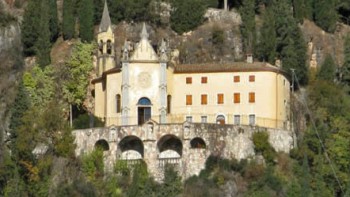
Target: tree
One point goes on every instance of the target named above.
(299, 10)
(345, 69)
(327, 70)
(266, 47)
(326, 14)
(247, 12)
(30, 28)
(183, 17)
(54, 29)
(68, 22)
(290, 46)
(86, 16)
(78, 71)
(43, 45)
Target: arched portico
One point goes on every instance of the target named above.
(170, 146)
(131, 148)
(102, 144)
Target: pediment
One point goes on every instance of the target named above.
(144, 52)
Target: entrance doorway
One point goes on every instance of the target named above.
(144, 110)
(220, 119)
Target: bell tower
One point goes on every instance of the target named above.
(105, 40)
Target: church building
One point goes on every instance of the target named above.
(145, 87)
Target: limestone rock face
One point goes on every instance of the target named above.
(222, 15)
(281, 140)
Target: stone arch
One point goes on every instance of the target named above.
(102, 144)
(198, 143)
(131, 147)
(169, 146)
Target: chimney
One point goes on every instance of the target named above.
(249, 58)
(278, 63)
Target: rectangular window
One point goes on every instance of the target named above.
(251, 97)
(220, 98)
(236, 79)
(189, 118)
(188, 80)
(236, 98)
(204, 119)
(188, 99)
(252, 119)
(204, 80)
(118, 103)
(237, 119)
(251, 78)
(204, 99)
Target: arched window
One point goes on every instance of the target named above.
(197, 142)
(220, 119)
(169, 104)
(144, 101)
(109, 47)
(118, 103)
(100, 46)
(102, 144)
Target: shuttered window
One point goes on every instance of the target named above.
(188, 99)
(204, 99)
(251, 78)
(220, 98)
(204, 80)
(236, 98)
(188, 80)
(236, 79)
(251, 97)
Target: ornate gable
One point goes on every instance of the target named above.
(144, 50)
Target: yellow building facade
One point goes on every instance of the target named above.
(145, 87)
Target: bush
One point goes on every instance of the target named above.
(83, 122)
(262, 145)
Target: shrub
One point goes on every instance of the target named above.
(262, 145)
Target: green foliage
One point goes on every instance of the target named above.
(30, 27)
(262, 145)
(184, 18)
(266, 47)
(83, 122)
(68, 21)
(326, 14)
(345, 69)
(92, 165)
(218, 36)
(327, 70)
(78, 71)
(5, 18)
(139, 180)
(54, 29)
(132, 10)
(39, 84)
(86, 18)
(247, 12)
(291, 46)
(43, 45)
(172, 185)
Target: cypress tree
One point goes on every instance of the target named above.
(299, 10)
(68, 22)
(345, 70)
(53, 20)
(98, 9)
(266, 50)
(327, 70)
(309, 9)
(43, 45)
(326, 14)
(248, 25)
(86, 17)
(290, 46)
(186, 15)
(29, 28)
